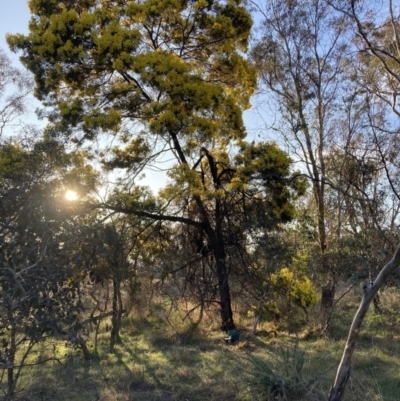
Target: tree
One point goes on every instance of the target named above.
(302, 63)
(114, 248)
(251, 226)
(15, 86)
(166, 78)
(346, 364)
(39, 251)
(377, 73)
(377, 38)
(224, 202)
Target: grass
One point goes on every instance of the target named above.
(157, 360)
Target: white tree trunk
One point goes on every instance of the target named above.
(370, 291)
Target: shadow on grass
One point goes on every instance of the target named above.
(153, 363)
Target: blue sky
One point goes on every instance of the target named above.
(14, 18)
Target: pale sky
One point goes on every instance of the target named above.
(14, 18)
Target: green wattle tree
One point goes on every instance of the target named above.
(167, 79)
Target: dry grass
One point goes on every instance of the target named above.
(165, 360)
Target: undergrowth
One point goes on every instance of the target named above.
(171, 359)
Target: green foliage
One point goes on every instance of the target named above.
(266, 165)
(102, 63)
(284, 376)
(299, 290)
(167, 79)
(42, 252)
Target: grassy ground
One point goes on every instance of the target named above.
(157, 360)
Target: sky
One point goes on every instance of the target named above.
(14, 18)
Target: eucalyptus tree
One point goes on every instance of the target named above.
(376, 35)
(166, 78)
(376, 29)
(301, 60)
(15, 87)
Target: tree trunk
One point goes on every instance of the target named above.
(216, 238)
(224, 291)
(11, 354)
(370, 291)
(329, 288)
(327, 298)
(117, 312)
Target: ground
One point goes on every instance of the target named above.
(160, 361)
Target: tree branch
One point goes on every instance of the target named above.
(370, 291)
(141, 213)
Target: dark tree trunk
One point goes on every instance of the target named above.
(216, 237)
(87, 355)
(327, 297)
(328, 291)
(224, 291)
(11, 354)
(117, 312)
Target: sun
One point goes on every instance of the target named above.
(71, 195)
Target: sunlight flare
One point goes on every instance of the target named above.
(71, 195)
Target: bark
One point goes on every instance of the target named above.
(216, 237)
(117, 313)
(327, 304)
(11, 354)
(370, 291)
(224, 291)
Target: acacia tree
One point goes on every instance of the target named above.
(254, 194)
(167, 78)
(238, 198)
(173, 68)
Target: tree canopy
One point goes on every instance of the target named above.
(163, 77)
(133, 86)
